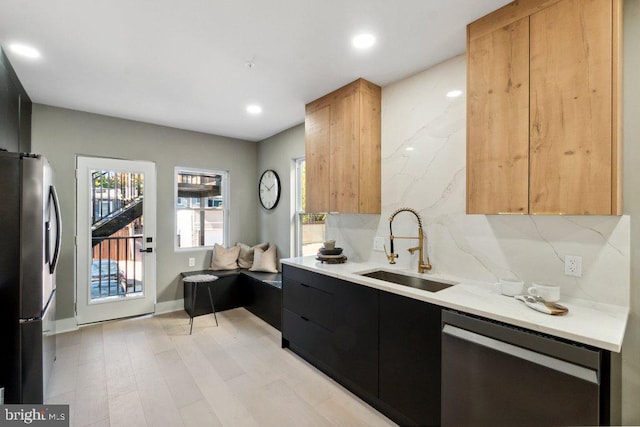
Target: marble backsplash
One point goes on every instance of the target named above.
(423, 167)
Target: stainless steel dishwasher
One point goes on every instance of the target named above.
(498, 375)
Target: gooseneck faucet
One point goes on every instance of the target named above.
(422, 266)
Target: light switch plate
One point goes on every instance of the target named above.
(192, 262)
(378, 243)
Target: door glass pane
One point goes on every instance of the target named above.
(117, 225)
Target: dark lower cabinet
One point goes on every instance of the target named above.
(15, 110)
(334, 325)
(264, 300)
(382, 346)
(409, 374)
(226, 293)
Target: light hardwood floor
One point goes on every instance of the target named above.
(150, 371)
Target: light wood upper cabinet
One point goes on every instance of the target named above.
(342, 145)
(542, 112)
(498, 110)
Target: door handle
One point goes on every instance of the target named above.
(147, 250)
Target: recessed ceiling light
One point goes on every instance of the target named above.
(254, 109)
(409, 149)
(363, 41)
(454, 93)
(24, 50)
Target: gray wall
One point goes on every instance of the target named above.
(631, 150)
(61, 134)
(278, 153)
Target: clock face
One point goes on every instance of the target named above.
(269, 189)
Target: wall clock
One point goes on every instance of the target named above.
(269, 189)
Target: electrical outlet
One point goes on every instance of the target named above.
(192, 262)
(378, 244)
(573, 265)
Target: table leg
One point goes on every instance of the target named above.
(194, 290)
(212, 306)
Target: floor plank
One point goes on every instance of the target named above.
(150, 371)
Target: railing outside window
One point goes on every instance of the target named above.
(201, 211)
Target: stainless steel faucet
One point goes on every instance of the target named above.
(422, 266)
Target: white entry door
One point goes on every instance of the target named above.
(116, 239)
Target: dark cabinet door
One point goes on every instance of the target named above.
(355, 336)
(410, 359)
(9, 108)
(334, 324)
(25, 124)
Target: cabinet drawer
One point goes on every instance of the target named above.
(309, 302)
(308, 338)
(309, 278)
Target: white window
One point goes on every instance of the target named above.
(201, 208)
(310, 227)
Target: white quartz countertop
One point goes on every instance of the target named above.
(588, 322)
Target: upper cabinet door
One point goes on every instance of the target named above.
(317, 140)
(345, 151)
(342, 134)
(571, 108)
(543, 113)
(498, 120)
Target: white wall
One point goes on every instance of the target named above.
(62, 134)
(432, 179)
(631, 108)
(278, 153)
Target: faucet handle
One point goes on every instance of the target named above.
(390, 256)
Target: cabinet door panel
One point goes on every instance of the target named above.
(317, 133)
(410, 358)
(498, 121)
(570, 122)
(9, 106)
(355, 337)
(308, 338)
(345, 153)
(310, 303)
(370, 181)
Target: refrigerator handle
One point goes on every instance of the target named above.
(56, 251)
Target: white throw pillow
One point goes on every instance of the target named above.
(265, 260)
(245, 259)
(223, 258)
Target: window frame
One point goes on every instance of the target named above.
(298, 211)
(225, 205)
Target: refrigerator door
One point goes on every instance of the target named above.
(35, 281)
(31, 388)
(9, 273)
(48, 342)
(37, 354)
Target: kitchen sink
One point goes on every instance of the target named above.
(411, 281)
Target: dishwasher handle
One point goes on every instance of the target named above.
(522, 353)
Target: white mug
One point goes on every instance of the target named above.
(510, 287)
(549, 293)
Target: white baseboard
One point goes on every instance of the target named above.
(66, 325)
(70, 324)
(169, 306)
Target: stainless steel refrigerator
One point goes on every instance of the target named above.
(30, 232)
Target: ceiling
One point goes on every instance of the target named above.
(184, 63)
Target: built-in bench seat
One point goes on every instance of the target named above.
(258, 292)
